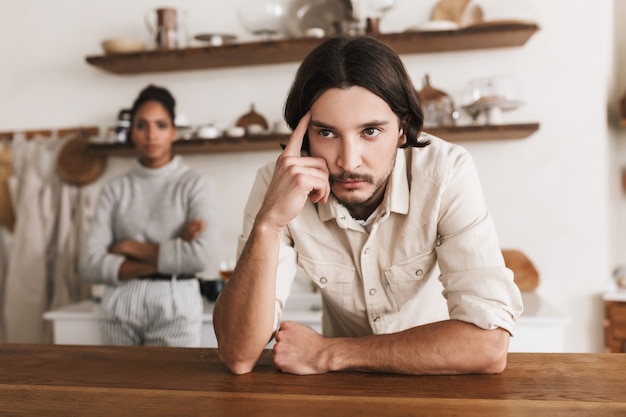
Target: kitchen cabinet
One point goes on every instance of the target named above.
(615, 321)
(482, 36)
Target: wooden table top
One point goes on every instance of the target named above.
(57, 380)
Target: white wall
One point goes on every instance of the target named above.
(551, 195)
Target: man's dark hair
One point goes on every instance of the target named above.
(363, 61)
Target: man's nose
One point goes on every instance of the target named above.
(349, 158)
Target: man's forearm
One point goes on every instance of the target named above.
(447, 347)
(244, 312)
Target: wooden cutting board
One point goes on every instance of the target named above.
(463, 12)
(524, 272)
(7, 216)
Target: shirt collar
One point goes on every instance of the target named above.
(396, 195)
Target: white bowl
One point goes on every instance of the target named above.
(122, 46)
(264, 18)
(236, 132)
(255, 129)
(207, 132)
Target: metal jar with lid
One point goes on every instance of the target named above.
(438, 107)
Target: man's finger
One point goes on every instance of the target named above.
(295, 140)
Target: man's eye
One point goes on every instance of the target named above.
(326, 133)
(163, 126)
(371, 131)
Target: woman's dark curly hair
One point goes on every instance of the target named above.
(154, 93)
(363, 61)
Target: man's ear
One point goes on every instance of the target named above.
(402, 134)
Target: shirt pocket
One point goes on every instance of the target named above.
(406, 278)
(335, 281)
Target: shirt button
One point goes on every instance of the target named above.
(323, 280)
(419, 272)
(372, 291)
(342, 218)
(367, 250)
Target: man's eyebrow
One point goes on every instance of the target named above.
(317, 123)
(323, 125)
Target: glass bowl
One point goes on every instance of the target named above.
(265, 19)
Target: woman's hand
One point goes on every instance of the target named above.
(121, 247)
(192, 230)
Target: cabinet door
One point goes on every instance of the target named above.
(615, 326)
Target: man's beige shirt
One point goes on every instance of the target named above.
(432, 252)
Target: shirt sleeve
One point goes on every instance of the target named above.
(477, 285)
(96, 264)
(177, 256)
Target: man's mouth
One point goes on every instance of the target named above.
(349, 181)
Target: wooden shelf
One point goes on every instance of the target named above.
(199, 146)
(483, 36)
(273, 142)
(87, 131)
(476, 133)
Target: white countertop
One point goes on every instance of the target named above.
(306, 308)
(615, 295)
(301, 307)
(537, 310)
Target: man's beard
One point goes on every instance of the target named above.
(360, 203)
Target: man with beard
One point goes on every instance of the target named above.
(390, 224)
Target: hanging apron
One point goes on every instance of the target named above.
(27, 290)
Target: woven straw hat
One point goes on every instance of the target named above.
(77, 165)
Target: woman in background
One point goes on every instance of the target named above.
(153, 230)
